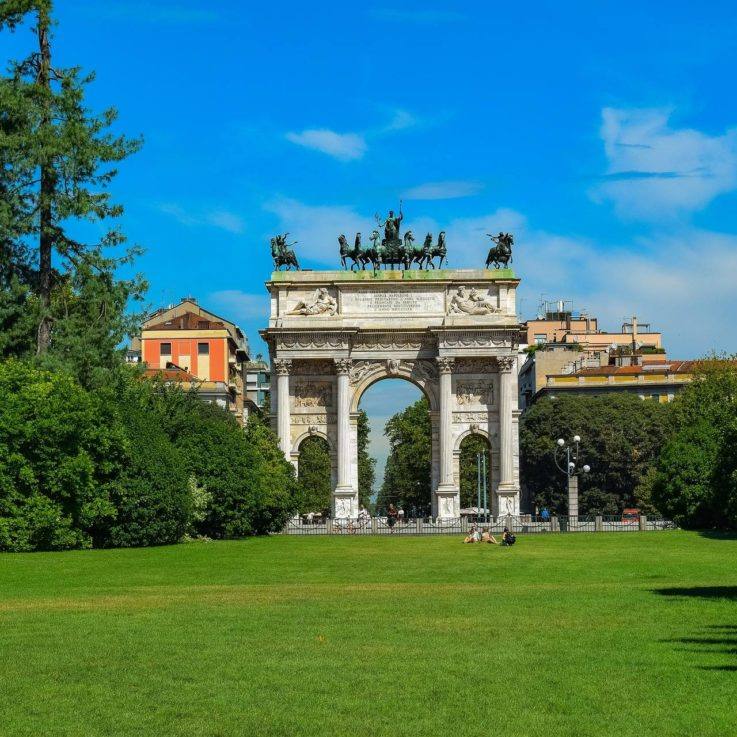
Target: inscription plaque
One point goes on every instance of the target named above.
(407, 302)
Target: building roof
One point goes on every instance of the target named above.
(188, 321)
(671, 367)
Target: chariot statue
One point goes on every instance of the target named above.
(393, 249)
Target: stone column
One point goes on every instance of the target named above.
(448, 495)
(508, 491)
(282, 367)
(343, 499)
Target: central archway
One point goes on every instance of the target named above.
(400, 442)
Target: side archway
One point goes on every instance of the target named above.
(471, 445)
(315, 463)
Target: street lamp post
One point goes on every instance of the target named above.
(570, 451)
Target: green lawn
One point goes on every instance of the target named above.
(608, 634)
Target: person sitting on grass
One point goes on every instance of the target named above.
(487, 537)
(508, 539)
(474, 535)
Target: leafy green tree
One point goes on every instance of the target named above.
(696, 480)
(471, 446)
(57, 161)
(61, 454)
(621, 439)
(366, 464)
(407, 476)
(271, 479)
(151, 493)
(314, 480)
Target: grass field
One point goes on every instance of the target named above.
(608, 634)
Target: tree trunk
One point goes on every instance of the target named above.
(48, 184)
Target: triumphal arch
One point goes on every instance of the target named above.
(453, 333)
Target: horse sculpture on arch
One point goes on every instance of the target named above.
(501, 253)
(282, 254)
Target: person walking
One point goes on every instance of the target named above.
(391, 517)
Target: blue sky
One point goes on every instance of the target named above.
(603, 135)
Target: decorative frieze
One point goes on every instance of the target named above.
(306, 341)
(475, 366)
(313, 394)
(462, 417)
(393, 342)
(319, 420)
(472, 302)
(475, 392)
(319, 303)
(312, 368)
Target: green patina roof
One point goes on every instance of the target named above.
(396, 275)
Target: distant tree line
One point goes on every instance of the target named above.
(677, 459)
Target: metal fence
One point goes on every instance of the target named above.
(461, 525)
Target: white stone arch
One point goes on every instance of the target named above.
(453, 334)
(484, 433)
(315, 433)
(426, 386)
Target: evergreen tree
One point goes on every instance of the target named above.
(56, 162)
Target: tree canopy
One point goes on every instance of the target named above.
(621, 437)
(696, 478)
(407, 476)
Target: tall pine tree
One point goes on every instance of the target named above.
(56, 161)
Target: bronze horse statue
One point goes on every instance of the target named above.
(501, 253)
(430, 252)
(282, 254)
(356, 254)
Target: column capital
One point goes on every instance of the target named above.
(506, 363)
(445, 364)
(283, 366)
(343, 366)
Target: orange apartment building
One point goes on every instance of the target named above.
(198, 346)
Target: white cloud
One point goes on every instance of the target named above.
(682, 281)
(656, 171)
(443, 190)
(226, 220)
(401, 120)
(222, 219)
(341, 146)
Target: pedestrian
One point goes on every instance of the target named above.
(391, 517)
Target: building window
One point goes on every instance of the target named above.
(203, 349)
(203, 325)
(540, 338)
(166, 349)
